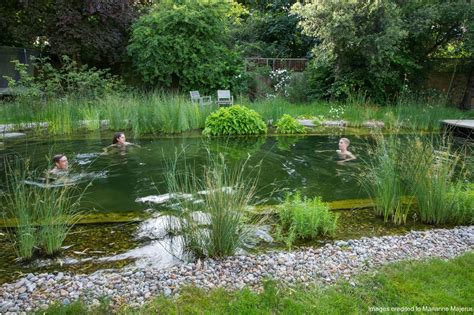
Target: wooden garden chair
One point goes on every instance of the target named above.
(224, 98)
(201, 100)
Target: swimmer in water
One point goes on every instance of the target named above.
(343, 153)
(119, 139)
(60, 165)
(119, 142)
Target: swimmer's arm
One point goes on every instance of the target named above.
(349, 158)
(133, 144)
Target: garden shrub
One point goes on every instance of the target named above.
(288, 124)
(69, 79)
(234, 120)
(306, 218)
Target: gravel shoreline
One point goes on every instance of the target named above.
(134, 285)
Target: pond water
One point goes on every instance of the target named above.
(124, 180)
(120, 177)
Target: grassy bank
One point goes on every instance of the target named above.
(427, 285)
(166, 114)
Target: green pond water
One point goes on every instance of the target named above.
(119, 178)
(131, 182)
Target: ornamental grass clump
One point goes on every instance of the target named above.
(422, 176)
(212, 220)
(384, 180)
(437, 178)
(42, 215)
(234, 120)
(289, 125)
(305, 218)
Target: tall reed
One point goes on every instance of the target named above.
(42, 214)
(16, 202)
(422, 175)
(384, 181)
(438, 182)
(212, 222)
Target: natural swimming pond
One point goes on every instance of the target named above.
(123, 180)
(288, 163)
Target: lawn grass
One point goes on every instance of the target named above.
(422, 284)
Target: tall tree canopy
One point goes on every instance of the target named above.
(270, 30)
(378, 46)
(93, 31)
(185, 46)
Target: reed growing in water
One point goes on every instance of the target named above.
(213, 204)
(42, 215)
(420, 175)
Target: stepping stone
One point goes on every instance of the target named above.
(334, 123)
(10, 135)
(306, 122)
(373, 124)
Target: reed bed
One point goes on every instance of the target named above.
(420, 175)
(169, 113)
(42, 214)
(212, 218)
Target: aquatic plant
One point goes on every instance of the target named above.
(384, 180)
(234, 120)
(57, 209)
(289, 125)
(168, 113)
(419, 175)
(90, 118)
(436, 177)
(306, 218)
(212, 220)
(17, 205)
(42, 214)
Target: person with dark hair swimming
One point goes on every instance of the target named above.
(60, 165)
(119, 141)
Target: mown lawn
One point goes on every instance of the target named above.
(427, 285)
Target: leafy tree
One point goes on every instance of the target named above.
(185, 46)
(270, 30)
(92, 31)
(22, 22)
(378, 46)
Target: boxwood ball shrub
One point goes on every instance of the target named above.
(288, 124)
(234, 120)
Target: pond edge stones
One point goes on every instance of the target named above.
(134, 285)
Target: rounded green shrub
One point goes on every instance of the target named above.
(234, 120)
(288, 124)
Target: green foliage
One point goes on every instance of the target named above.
(91, 31)
(304, 218)
(185, 46)
(234, 120)
(378, 47)
(441, 197)
(385, 180)
(43, 214)
(68, 80)
(419, 172)
(269, 31)
(287, 124)
(298, 88)
(212, 222)
(155, 113)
